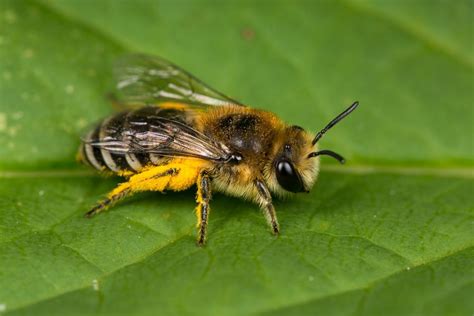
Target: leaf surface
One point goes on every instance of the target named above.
(389, 233)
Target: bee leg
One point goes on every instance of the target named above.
(202, 210)
(133, 185)
(108, 202)
(267, 205)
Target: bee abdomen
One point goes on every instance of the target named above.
(116, 128)
(111, 128)
(90, 154)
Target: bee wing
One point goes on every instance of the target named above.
(143, 79)
(162, 137)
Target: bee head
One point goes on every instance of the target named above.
(291, 170)
(296, 163)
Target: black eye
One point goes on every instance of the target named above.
(288, 178)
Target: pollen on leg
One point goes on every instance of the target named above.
(203, 197)
(198, 215)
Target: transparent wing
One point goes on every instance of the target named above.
(162, 137)
(145, 80)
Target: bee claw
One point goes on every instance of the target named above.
(276, 229)
(95, 210)
(90, 214)
(104, 204)
(201, 243)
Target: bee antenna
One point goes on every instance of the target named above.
(334, 122)
(328, 153)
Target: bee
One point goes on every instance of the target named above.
(175, 132)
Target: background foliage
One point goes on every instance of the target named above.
(390, 232)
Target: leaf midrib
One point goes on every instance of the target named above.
(452, 172)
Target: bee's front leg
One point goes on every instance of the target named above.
(202, 210)
(267, 205)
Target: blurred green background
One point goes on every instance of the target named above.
(390, 232)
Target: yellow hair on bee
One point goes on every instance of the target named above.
(173, 106)
(199, 201)
(177, 175)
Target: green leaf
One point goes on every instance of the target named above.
(390, 233)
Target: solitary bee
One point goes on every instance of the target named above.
(176, 131)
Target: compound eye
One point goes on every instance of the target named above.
(288, 177)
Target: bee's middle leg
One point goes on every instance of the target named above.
(267, 206)
(202, 210)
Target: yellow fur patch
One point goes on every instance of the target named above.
(125, 173)
(159, 178)
(173, 106)
(199, 201)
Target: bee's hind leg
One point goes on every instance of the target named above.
(267, 206)
(151, 180)
(202, 210)
(110, 200)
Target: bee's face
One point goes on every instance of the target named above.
(292, 170)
